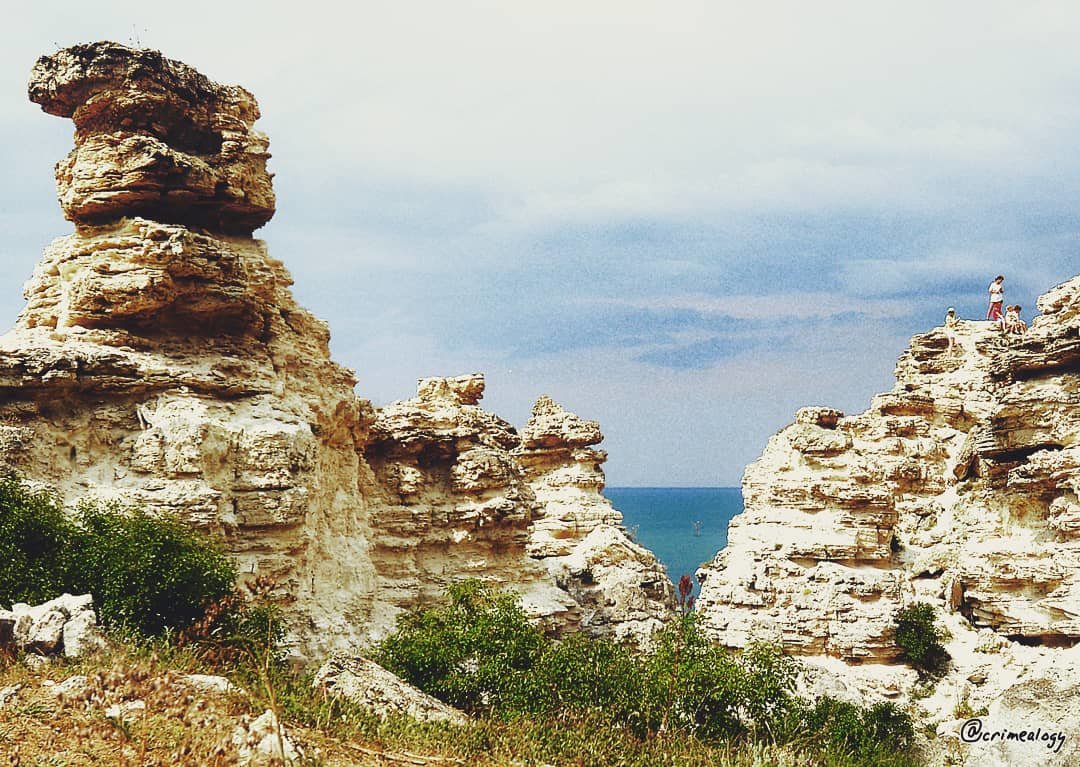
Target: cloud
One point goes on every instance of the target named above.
(682, 219)
(700, 354)
(765, 306)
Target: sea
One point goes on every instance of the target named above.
(683, 526)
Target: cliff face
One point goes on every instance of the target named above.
(161, 360)
(460, 492)
(961, 487)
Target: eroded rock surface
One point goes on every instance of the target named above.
(369, 684)
(153, 137)
(161, 360)
(578, 535)
(67, 625)
(463, 493)
(959, 487)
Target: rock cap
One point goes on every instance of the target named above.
(154, 138)
(552, 426)
(464, 390)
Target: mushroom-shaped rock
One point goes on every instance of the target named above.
(154, 138)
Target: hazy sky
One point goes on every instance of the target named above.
(684, 219)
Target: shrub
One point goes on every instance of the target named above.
(582, 674)
(868, 733)
(698, 686)
(35, 539)
(918, 636)
(473, 653)
(480, 653)
(592, 701)
(146, 573)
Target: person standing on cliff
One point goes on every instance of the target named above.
(997, 299)
(951, 323)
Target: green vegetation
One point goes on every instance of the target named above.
(148, 574)
(166, 594)
(480, 653)
(918, 635)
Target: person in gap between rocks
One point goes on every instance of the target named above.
(1013, 323)
(997, 299)
(951, 324)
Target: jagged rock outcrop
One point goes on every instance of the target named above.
(961, 487)
(161, 360)
(961, 482)
(462, 493)
(451, 502)
(578, 535)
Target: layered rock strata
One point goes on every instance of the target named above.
(960, 483)
(578, 535)
(161, 360)
(960, 487)
(155, 138)
(462, 492)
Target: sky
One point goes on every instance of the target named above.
(683, 219)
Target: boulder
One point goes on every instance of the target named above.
(367, 683)
(265, 742)
(66, 624)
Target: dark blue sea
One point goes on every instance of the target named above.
(683, 526)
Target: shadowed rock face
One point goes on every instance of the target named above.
(154, 138)
(161, 360)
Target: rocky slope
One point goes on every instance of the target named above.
(958, 487)
(161, 360)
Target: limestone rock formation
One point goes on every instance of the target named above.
(577, 533)
(67, 624)
(961, 487)
(154, 138)
(451, 502)
(462, 493)
(161, 360)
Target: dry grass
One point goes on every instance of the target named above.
(185, 727)
(179, 725)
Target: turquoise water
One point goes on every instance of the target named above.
(664, 518)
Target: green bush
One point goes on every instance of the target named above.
(480, 653)
(149, 573)
(697, 686)
(36, 541)
(146, 573)
(871, 734)
(474, 653)
(582, 674)
(919, 637)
